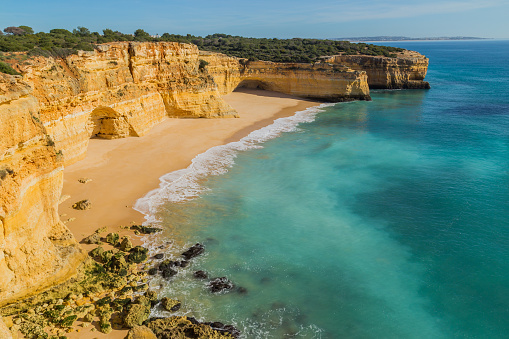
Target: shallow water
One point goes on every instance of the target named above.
(382, 219)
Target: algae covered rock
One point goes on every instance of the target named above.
(105, 319)
(140, 332)
(82, 205)
(136, 315)
(185, 327)
(92, 239)
(96, 253)
(137, 255)
(112, 238)
(145, 229)
(171, 305)
(126, 245)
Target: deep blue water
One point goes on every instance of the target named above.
(382, 219)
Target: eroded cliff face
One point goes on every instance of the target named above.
(407, 71)
(323, 81)
(36, 249)
(120, 89)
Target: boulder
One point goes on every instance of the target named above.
(112, 239)
(200, 275)
(92, 239)
(140, 332)
(136, 315)
(171, 305)
(220, 284)
(126, 245)
(138, 254)
(193, 251)
(82, 205)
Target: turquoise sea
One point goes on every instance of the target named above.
(381, 219)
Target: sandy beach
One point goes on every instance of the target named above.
(124, 170)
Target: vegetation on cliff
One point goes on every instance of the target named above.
(60, 42)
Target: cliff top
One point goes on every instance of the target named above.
(61, 42)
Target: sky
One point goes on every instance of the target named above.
(268, 18)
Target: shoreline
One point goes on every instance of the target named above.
(125, 170)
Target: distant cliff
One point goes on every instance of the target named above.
(48, 116)
(407, 71)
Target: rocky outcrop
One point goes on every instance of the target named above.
(36, 249)
(118, 90)
(407, 71)
(321, 81)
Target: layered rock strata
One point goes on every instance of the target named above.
(36, 249)
(120, 89)
(407, 71)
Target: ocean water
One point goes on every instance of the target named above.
(382, 219)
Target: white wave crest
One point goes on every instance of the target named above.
(185, 184)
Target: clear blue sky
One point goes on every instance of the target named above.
(268, 18)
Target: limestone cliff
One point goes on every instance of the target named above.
(323, 81)
(36, 249)
(407, 71)
(120, 89)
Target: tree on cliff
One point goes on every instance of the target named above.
(14, 30)
(27, 29)
(141, 35)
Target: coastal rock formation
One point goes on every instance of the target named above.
(36, 249)
(407, 71)
(119, 90)
(321, 81)
(122, 89)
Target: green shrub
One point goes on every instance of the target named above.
(6, 68)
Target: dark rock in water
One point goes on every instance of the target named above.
(153, 271)
(220, 284)
(216, 324)
(146, 230)
(193, 251)
(159, 256)
(137, 255)
(232, 330)
(168, 273)
(242, 290)
(200, 275)
(193, 320)
(182, 263)
(166, 265)
(82, 205)
(92, 239)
